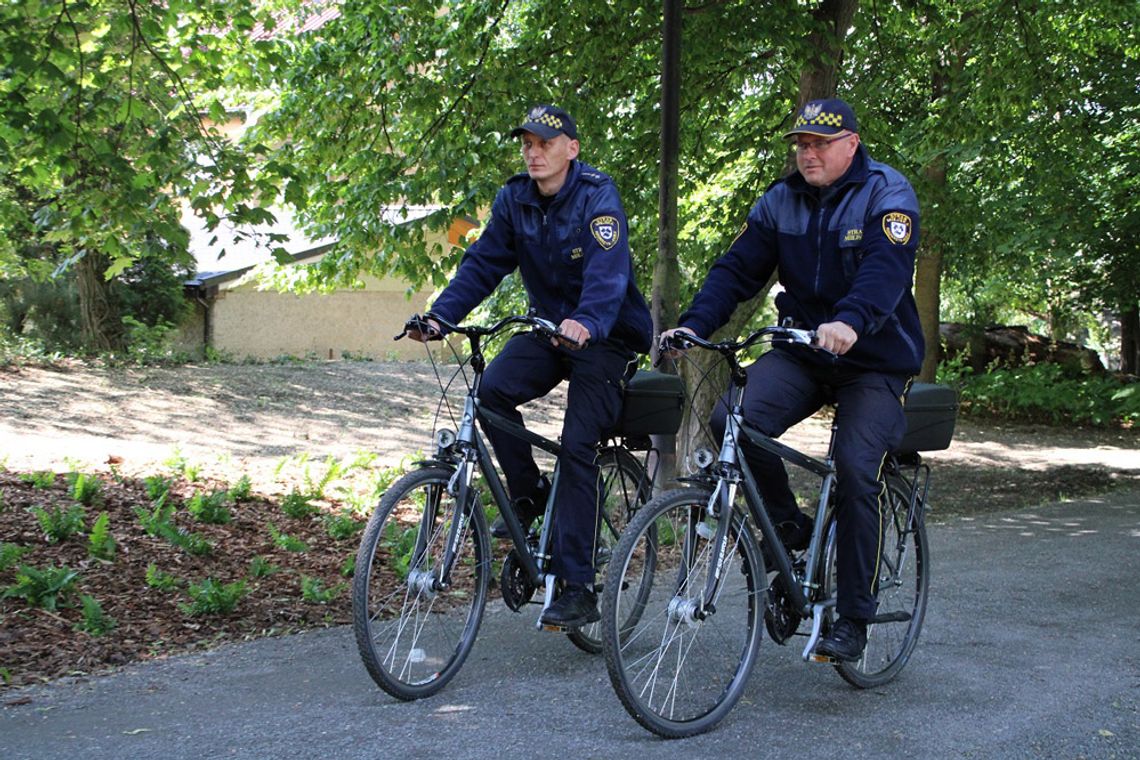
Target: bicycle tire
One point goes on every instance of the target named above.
(413, 638)
(675, 674)
(625, 489)
(904, 582)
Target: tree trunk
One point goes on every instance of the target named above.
(928, 267)
(820, 74)
(97, 314)
(928, 280)
(1130, 340)
(666, 295)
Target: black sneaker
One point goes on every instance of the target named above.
(526, 508)
(796, 537)
(845, 642)
(575, 607)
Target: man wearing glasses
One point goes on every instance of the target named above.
(841, 232)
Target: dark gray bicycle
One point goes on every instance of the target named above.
(682, 662)
(424, 562)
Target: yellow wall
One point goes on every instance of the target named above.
(265, 324)
(246, 322)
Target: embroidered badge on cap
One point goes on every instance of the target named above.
(897, 227)
(606, 231)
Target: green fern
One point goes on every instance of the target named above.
(100, 542)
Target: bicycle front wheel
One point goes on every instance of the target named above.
(680, 665)
(623, 487)
(414, 627)
(903, 581)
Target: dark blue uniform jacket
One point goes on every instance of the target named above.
(844, 253)
(573, 257)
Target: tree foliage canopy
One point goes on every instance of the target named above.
(1029, 112)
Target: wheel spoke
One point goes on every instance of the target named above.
(683, 663)
(413, 627)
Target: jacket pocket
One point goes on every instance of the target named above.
(850, 242)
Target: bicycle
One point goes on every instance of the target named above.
(681, 663)
(424, 561)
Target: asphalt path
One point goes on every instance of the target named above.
(1031, 649)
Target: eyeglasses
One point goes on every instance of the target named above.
(819, 146)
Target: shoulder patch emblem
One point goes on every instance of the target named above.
(897, 227)
(606, 231)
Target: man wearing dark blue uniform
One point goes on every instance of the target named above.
(841, 232)
(561, 223)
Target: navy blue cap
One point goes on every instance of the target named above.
(824, 118)
(547, 122)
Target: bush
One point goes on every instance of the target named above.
(100, 542)
(1046, 393)
(84, 488)
(297, 505)
(95, 621)
(213, 509)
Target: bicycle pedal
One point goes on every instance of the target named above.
(822, 659)
(555, 628)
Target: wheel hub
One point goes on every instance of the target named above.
(422, 582)
(682, 610)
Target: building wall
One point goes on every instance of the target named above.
(265, 324)
(247, 322)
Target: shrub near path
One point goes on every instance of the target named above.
(271, 471)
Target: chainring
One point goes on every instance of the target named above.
(780, 617)
(517, 590)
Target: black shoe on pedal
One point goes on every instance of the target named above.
(575, 607)
(845, 642)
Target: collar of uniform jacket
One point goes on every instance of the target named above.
(527, 192)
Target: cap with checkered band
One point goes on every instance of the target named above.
(824, 118)
(547, 122)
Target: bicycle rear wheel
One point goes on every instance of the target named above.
(904, 580)
(679, 666)
(413, 632)
(624, 489)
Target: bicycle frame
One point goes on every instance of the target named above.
(732, 472)
(470, 453)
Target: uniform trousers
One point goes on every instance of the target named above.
(783, 389)
(527, 368)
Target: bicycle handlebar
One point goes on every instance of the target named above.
(679, 341)
(544, 327)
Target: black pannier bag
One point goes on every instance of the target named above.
(931, 411)
(653, 404)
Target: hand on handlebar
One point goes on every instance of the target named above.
(836, 337)
(670, 343)
(572, 334)
(421, 329)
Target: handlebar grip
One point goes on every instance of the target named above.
(568, 340)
